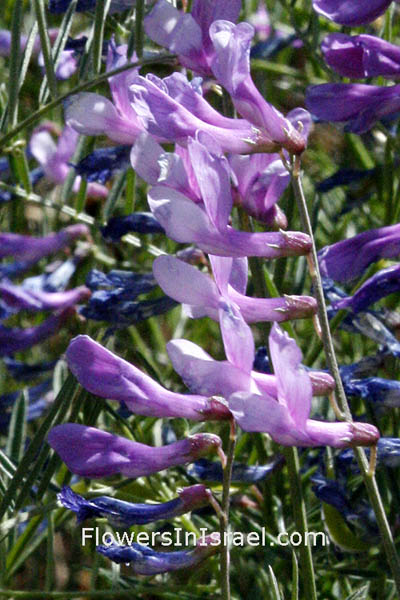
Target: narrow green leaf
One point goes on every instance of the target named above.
(276, 595)
(295, 578)
(17, 430)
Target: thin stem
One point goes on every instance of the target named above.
(86, 85)
(45, 46)
(300, 518)
(224, 515)
(368, 477)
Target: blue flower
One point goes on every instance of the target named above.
(206, 470)
(124, 514)
(146, 561)
(139, 222)
(102, 163)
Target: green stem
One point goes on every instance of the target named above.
(369, 479)
(139, 28)
(101, 12)
(300, 518)
(86, 85)
(45, 46)
(224, 515)
(15, 53)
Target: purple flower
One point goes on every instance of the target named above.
(28, 248)
(187, 35)
(146, 561)
(204, 375)
(124, 514)
(173, 169)
(231, 67)
(359, 104)
(351, 12)
(347, 259)
(261, 181)
(103, 373)
(16, 340)
(90, 452)
(185, 221)
(286, 417)
(380, 285)
(171, 109)
(20, 298)
(360, 56)
(54, 158)
(187, 284)
(93, 114)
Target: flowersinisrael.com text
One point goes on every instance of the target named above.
(180, 538)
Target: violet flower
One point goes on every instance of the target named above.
(360, 105)
(347, 259)
(90, 452)
(103, 373)
(185, 221)
(54, 158)
(13, 339)
(231, 67)
(103, 307)
(201, 295)
(28, 248)
(92, 114)
(187, 34)
(360, 56)
(125, 514)
(261, 181)
(156, 166)
(351, 12)
(146, 561)
(172, 109)
(286, 417)
(380, 285)
(20, 298)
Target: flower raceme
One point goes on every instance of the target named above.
(90, 452)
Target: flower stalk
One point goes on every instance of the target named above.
(224, 514)
(367, 473)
